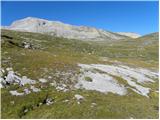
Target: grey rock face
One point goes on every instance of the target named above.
(60, 29)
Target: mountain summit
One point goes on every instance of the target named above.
(59, 29)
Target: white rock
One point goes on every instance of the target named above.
(11, 78)
(40, 104)
(62, 88)
(105, 83)
(157, 91)
(53, 84)
(26, 45)
(2, 70)
(26, 91)
(79, 97)
(64, 85)
(14, 92)
(34, 89)
(101, 82)
(93, 104)
(49, 101)
(49, 77)
(9, 69)
(26, 110)
(1, 86)
(78, 102)
(66, 100)
(2, 82)
(42, 80)
(26, 80)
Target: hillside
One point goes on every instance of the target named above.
(48, 76)
(129, 34)
(59, 29)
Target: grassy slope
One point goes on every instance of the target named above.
(63, 55)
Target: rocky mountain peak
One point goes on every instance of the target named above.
(59, 29)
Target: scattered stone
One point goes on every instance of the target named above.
(26, 80)
(16, 73)
(53, 84)
(2, 82)
(64, 85)
(15, 93)
(2, 70)
(66, 100)
(59, 88)
(26, 91)
(79, 97)
(78, 102)
(49, 77)
(26, 110)
(42, 80)
(62, 88)
(1, 86)
(157, 91)
(11, 78)
(9, 69)
(12, 102)
(49, 101)
(40, 104)
(34, 89)
(93, 104)
(27, 45)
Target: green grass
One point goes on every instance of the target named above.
(88, 79)
(60, 54)
(108, 106)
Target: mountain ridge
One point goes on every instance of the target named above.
(130, 34)
(59, 29)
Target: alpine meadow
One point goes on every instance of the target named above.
(55, 70)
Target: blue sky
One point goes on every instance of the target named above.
(140, 17)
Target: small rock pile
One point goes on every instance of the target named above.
(79, 98)
(9, 77)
